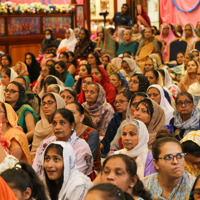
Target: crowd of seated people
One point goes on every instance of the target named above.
(108, 118)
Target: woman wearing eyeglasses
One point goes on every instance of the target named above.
(121, 105)
(43, 129)
(15, 96)
(170, 181)
(186, 117)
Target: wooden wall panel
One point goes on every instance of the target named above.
(3, 48)
(18, 51)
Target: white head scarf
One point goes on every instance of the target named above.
(68, 43)
(75, 184)
(168, 79)
(141, 150)
(164, 104)
(133, 66)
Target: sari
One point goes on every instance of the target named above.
(24, 110)
(23, 70)
(16, 133)
(107, 44)
(43, 128)
(146, 48)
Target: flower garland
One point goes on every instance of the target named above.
(185, 10)
(33, 8)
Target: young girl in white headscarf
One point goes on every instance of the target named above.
(69, 43)
(62, 179)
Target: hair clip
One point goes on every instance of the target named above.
(18, 166)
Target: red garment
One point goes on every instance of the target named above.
(81, 95)
(145, 16)
(5, 192)
(108, 87)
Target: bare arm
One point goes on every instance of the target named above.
(2, 153)
(72, 69)
(16, 150)
(30, 124)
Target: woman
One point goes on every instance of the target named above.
(108, 66)
(15, 96)
(73, 63)
(169, 163)
(76, 33)
(138, 83)
(105, 44)
(147, 46)
(84, 71)
(84, 46)
(69, 43)
(6, 60)
(107, 191)
(68, 183)
(190, 36)
(69, 95)
(142, 17)
(127, 180)
(152, 115)
(46, 70)
(150, 63)
(194, 195)
(24, 182)
(63, 129)
(190, 76)
(166, 36)
(102, 75)
(7, 75)
(121, 105)
(63, 56)
(49, 44)
(17, 140)
(134, 139)
(191, 146)
(86, 81)
(93, 60)
(196, 54)
(33, 98)
(135, 98)
(21, 69)
(43, 129)
(89, 134)
(33, 66)
(197, 30)
(50, 79)
(186, 117)
(119, 82)
(129, 67)
(154, 77)
(100, 111)
(156, 93)
(66, 77)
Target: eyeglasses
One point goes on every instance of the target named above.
(119, 102)
(10, 91)
(48, 103)
(186, 103)
(148, 65)
(44, 71)
(87, 83)
(169, 157)
(134, 82)
(90, 57)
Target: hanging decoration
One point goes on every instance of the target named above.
(174, 3)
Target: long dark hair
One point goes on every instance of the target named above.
(23, 176)
(23, 99)
(131, 167)
(53, 187)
